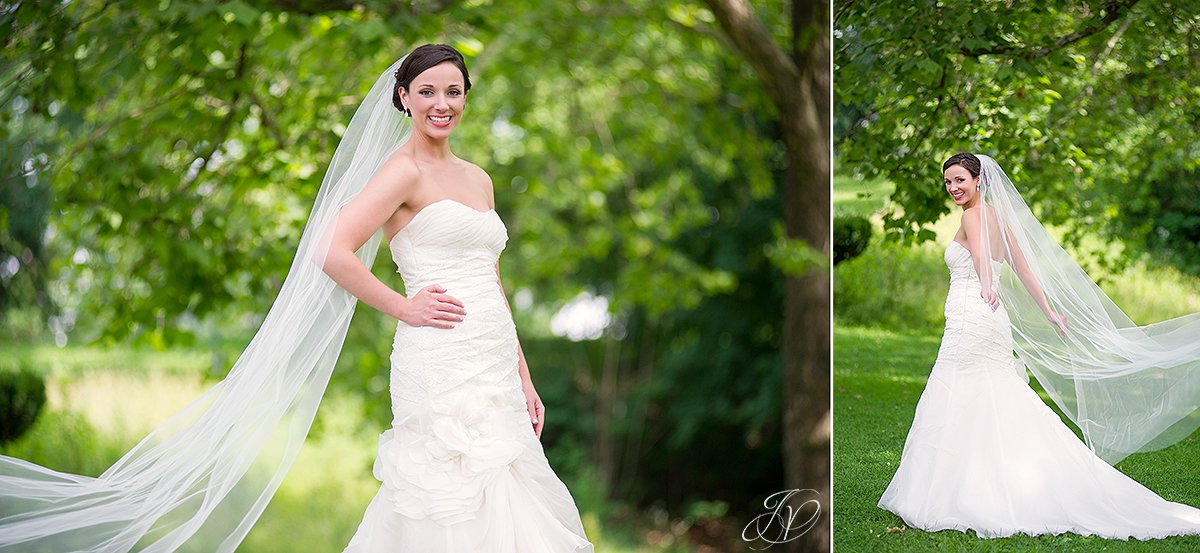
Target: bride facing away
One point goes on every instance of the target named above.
(462, 469)
(984, 452)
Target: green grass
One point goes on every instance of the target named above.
(878, 377)
(888, 323)
(859, 197)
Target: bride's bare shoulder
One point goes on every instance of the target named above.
(482, 179)
(401, 164)
(477, 173)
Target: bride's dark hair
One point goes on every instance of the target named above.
(967, 160)
(422, 58)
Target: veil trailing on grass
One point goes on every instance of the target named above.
(200, 480)
(1128, 388)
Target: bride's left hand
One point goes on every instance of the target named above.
(537, 411)
(1059, 322)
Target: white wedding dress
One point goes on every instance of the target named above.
(461, 468)
(985, 453)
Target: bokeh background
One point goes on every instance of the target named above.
(1091, 107)
(158, 160)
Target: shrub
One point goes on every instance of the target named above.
(851, 236)
(22, 396)
(892, 286)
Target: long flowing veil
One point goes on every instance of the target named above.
(200, 480)
(1128, 388)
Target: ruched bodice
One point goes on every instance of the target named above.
(461, 468)
(451, 244)
(962, 267)
(976, 336)
(455, 246)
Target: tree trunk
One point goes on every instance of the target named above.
(799, 86)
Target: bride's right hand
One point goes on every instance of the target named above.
(991, 298)
(430, 306)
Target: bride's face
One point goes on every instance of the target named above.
(961, 186)
(436, 98)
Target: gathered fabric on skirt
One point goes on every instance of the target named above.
(985, 453)
(461, 469)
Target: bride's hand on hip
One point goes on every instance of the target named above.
(430, 306)
(991, 298)
(537, 411)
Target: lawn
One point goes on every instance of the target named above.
(873, 408)
(888, 323)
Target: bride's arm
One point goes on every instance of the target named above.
(355, 224)
(977, 243)
(537, 411)
(1020, 265)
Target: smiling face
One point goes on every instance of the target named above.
(962, 186)
(436, 98)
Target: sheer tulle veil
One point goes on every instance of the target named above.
(200, 480)
(1128, 388)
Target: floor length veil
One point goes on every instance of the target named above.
(200, 480)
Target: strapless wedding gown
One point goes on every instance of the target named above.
(985, 453)
(461, 468)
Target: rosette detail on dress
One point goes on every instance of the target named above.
(437, 463)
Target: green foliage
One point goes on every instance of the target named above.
(1083, 103)
(184, 143)
(891, 286)
(22, 396)
(65, 441)
(1164, 218)
(633, 155)
(874, 402)
(851, 236)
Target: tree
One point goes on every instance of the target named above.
(798, 83)
(1082, 103)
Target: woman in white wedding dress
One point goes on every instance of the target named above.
(462, 469)
(984, 452)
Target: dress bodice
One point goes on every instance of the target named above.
(451, 244)
(962, 267)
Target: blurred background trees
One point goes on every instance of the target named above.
(159, 160)
(1090, 107)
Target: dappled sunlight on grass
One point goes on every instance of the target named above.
(859, 197)
(123, 406)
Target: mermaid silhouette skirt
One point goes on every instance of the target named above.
(985, 453)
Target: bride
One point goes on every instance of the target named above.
(984, 453)
(461, 468)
